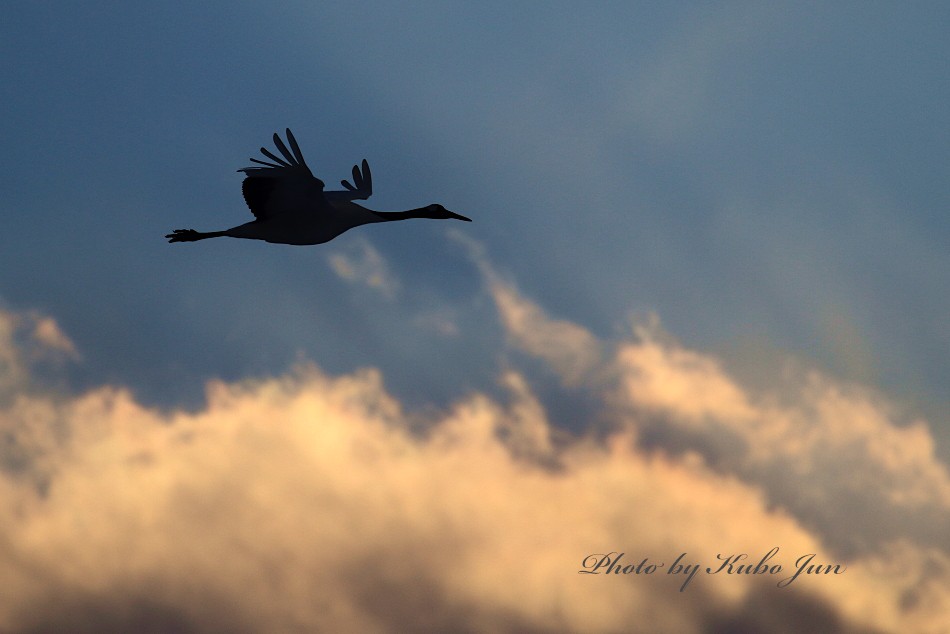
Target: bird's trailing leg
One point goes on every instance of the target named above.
(190, 235)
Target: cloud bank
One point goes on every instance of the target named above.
(308, 502)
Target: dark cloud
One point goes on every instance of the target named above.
(765, 611)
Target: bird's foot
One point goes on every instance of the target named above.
(183, 235)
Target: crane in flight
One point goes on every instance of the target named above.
(290, 206)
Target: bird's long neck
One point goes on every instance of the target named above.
(421, 212)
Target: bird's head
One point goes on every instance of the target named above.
(441, 213)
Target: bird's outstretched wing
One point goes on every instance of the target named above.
(283, 186)
(363, 189)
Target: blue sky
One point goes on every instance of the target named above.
(767, 180)
(743, 170)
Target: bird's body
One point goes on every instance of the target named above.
(314, 226)
(290, 206)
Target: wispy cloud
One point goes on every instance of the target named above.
(442, 321)
(361, 263)
(28, 341)
(567, 347)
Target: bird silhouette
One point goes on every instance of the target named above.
(290, 206)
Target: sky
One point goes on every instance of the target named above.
(701, 308)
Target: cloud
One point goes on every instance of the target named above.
(303, 503)
(30, 345)
(308, 502)
(835, 456)
(361, 263)
(442, 321)
(566, 347)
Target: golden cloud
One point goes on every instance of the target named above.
(307, 503)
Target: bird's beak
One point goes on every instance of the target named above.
(452, 214)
